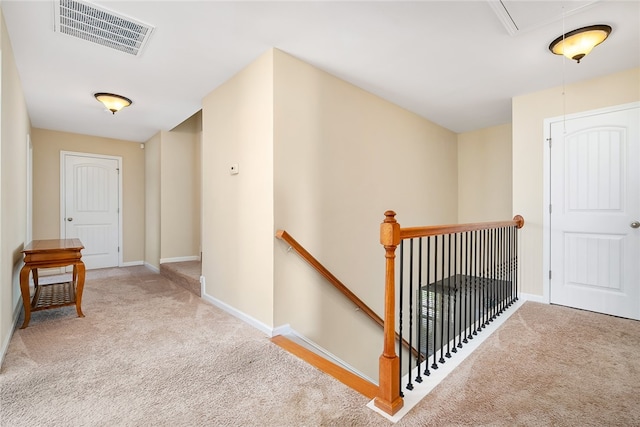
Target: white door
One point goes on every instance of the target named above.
(90, 191)
(595, 207)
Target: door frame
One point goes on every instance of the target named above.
(120, 206)
(546, 217)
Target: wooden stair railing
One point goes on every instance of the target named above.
(283, 235)
(389, 398)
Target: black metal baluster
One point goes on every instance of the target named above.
(476, 306)
(457, 302)
(494, 274)
(435, 303)
(448, 355)
(428, 302)
(503, 270)
(514, 231)
(410, 384)
(483, 281)
(441, 360)
(467, 294)
(419, 311)
(515, 245)
(401, 303)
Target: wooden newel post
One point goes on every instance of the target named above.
(388, 398)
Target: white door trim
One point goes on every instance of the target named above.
(120, 207)
(546, 234)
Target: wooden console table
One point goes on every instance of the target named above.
(50, 254)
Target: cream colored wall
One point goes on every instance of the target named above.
(47, 145)
(152, 201)
(484, 175)
(529, 113)
(14, 129)
(180, 191)
(342, 158)
(237, 231)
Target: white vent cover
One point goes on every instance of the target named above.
(98, 25)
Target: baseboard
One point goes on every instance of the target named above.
(267, 330)
(131, 263)
(152, 267)
(5, 344)
(534, 298)
(180, 259)
(321, 351)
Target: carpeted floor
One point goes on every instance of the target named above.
(150, 352)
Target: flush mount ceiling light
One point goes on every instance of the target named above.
(113, 102)
(578, 43)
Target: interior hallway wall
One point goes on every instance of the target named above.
(47, 145)
(14, 132)
(484, 175)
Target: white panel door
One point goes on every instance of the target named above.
(91, 203)
(595, 204)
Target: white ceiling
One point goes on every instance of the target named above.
(456, 63)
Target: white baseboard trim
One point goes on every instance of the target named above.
(5, 344)
(533, 298)
(282, 330)
(180, 259)
(152, 267)
(305, 342)
(267, 330)
(132, 263)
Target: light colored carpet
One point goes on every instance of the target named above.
(149, 353)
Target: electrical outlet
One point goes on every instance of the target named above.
(233, 170)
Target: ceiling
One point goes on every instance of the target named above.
(456, 63)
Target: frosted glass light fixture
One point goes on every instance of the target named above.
(578, 43)
(113, 102)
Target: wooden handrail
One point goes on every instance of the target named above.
(437, 230)
(283, 235)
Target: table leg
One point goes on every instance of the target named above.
(26, 296)
(78, 273)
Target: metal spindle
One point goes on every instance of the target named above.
(476, 307)
(411, 272)
(400, 313)
(426, 344)
(418, 311)
(441, 360)
(459, 277)
(435, 303)
(493, 264)
(448, 354)
(467, 301)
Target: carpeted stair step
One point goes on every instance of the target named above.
(185, 274)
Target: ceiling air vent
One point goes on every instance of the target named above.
(98, 25)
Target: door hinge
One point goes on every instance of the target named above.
(549, 141)
(549, 274)
(118, 249)
(550, 209)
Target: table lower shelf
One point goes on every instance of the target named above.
(53, 295)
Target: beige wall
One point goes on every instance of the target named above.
(336, 151)
(529, 113)
(237, 230)
(342, 158)
(47, 145)
(484, 175)
(152, 201)
(14, 131)
(180, 191)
